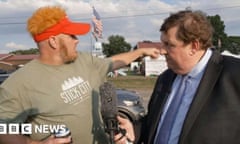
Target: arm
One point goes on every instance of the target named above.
(124, 59)
(20, 139)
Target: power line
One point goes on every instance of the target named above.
(121, 16)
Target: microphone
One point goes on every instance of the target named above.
(109, 109)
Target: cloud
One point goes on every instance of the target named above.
(156, 22)
(135, 20)
(4, 51)
(15, 46)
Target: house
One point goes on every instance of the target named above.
(10, 62)
(149, 66)
(149, 44)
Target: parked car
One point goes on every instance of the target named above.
(130, 105)
(3, 77)
(2, 71)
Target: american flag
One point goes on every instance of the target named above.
(97, 25)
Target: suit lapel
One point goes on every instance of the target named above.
(206, 86)
(160, 95)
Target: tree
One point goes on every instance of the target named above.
(220, 38)
(28, 51)
(234, 44)
(116, 45)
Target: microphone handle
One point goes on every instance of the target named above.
(112, 127)
(112, 133)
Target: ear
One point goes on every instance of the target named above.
(195, 46)
(52, 41)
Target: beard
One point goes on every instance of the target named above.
(66, 55)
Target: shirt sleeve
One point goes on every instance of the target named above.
(11, 110)
(102, 65)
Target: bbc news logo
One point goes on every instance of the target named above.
(26, 128)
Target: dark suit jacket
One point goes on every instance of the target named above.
(214, 115)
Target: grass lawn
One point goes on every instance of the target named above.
(134, 82)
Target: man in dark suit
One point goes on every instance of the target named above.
(207, 83)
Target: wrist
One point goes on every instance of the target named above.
(141, 52)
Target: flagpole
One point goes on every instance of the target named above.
(97, 32)
(91, 43)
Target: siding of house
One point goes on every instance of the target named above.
(150, 66)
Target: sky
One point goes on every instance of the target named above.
(135, 20)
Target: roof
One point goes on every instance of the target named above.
(149, 45)
(11, 57)
(23, 57)
(10, 62)
(4, 56)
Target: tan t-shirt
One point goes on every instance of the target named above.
(54, 95)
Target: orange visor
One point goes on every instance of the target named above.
(64, 26)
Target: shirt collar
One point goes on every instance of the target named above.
(199, 68)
